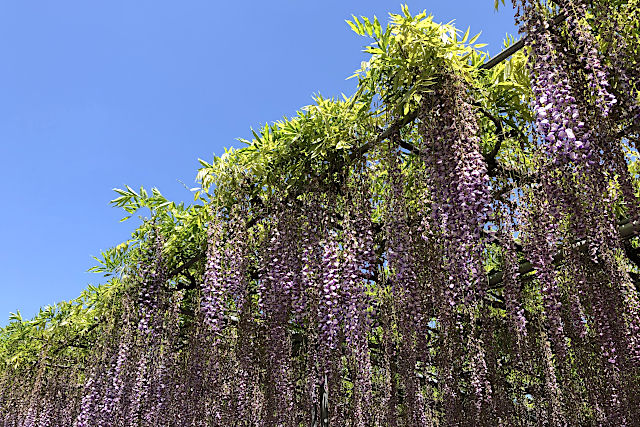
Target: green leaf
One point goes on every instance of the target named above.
(353, 26)
(367, 26)
(374, 50)
(356, 26)
(405, 11)
(466, 35)
(377, 28)
(343, 145)
(473, 40)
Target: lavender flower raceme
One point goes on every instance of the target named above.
(213, 290)
(359, 262)
(276, 284)
(458, 189)
(511, 278)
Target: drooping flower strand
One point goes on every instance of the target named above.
(613, 23)
(151, 297)
(237, 262)
(151, 289)
(607, 337)
(5, 396)
(213, 285)
(552, 393)
(311, 282)
(569, 139)
(576, 50)
(358, 271)
(595, 158)
(387, 411)
(52, 409)
(583, 54)
(114, 403)
(166, 359)
(140, 389)
(96, 380)
(539, 243)
(8, 392)
(480, 381)
(208, 360)
(619, 324)
(90, 398)
(330, 310)
(458, 186)
(277, 279)
(580, 329)
(85, 409)
(566, 143)
(237, 257)
(507, 218)
(585, 46)
(555, 108)
(331, 317)
(69, 397)
(456, 175)
(35, 402)
(569, 148)
(575, 298)
(511, 277)
(199, 376)
(404, 286)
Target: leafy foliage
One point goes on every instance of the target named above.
(453, 244)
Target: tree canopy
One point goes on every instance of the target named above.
(456, 243)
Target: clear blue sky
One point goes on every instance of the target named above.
(96, 95)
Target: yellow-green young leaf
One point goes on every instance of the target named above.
(377, 28)
(359, 25)
(255, 135)
(405, 11)
(473, 40)
(131, 190)
(343, 145)
(466, 35)
(353, 27)
(367, 26)
(374, 50)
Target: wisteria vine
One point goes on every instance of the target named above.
(417, 276)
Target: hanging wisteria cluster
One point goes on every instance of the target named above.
(474, 263)
(572, 106)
